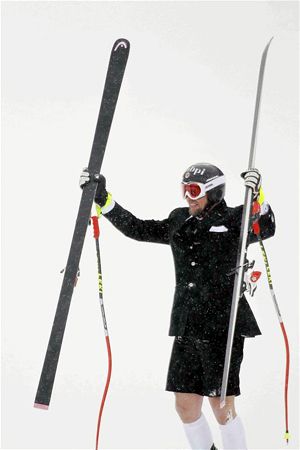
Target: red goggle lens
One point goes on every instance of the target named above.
(194, 190)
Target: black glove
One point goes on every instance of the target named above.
(101, 192)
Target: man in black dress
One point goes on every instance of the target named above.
(204, 240)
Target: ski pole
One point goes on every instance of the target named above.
(256, 230)
(100, 290)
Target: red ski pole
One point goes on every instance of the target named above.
(100, 290)
(256, 230)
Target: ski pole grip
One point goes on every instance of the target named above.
(96, 227)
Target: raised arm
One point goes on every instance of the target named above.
(141, 230)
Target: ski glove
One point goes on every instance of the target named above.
(84, 178)
(252, 179)
(101, 192)
(103, 199)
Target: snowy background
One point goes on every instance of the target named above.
(188, 96)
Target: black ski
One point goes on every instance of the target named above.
(115, 72)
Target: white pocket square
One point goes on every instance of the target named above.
(219, 229)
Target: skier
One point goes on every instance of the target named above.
(204, 240)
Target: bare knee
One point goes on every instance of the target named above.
(188, 406)
(227, 413)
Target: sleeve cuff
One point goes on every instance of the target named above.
(108, 208)
(109, 205)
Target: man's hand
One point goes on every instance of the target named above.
(103, 199)
(101, 192)
(252, 179)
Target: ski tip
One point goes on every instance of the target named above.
(121, 43)
(265, 52)
(40, 406)
(268, 44)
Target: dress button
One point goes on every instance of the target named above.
(193, 263)
(191, 285)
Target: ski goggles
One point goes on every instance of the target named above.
(193, 190)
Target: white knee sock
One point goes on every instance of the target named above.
(199, 434)
(233, 435)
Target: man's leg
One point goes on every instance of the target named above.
(232, 430)
(196, 428)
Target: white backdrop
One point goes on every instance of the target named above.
(188, 96)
